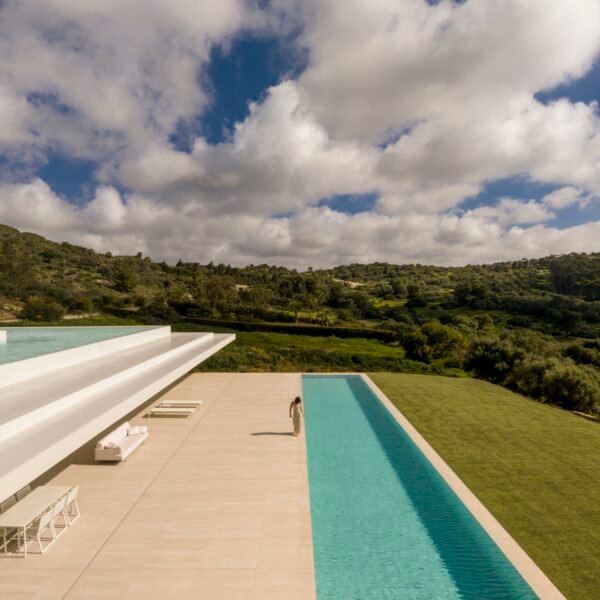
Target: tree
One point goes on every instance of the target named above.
(572, 387)
(417, 347)
(41, 308)
(492, 358)
(444, 340)
(124, 277)
(433, 341)
(416, 296)
(16, 267)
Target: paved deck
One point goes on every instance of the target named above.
(214, 507)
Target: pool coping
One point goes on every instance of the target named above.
(539, 582)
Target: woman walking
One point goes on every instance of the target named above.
(296, 412)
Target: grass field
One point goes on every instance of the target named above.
(535, 467)
(255, 351)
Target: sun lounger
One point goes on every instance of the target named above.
(170, 412)
(180, 404)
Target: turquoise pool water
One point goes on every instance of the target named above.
(385, 524)
(27, 342)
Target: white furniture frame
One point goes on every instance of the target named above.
(24, 515)
(179, 404)
(72, 504)
(170, 412)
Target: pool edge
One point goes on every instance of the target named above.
(539, 582)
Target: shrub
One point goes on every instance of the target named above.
(295, 329)
(529, 377)
(83, 303)
(583, 355)
(572, 387)
(433, 340)
(124, 277)
(159, 310)
(41, 308)
(417, 347)
(493, 359)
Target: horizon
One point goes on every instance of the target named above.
(310, 268)
(286, 133)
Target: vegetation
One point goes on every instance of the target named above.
(40, 308)
(529, 325)
(533, 466)
(277, 352)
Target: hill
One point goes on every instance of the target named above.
(532, 325)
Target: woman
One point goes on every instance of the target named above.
(296, 411)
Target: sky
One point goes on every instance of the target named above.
(303, 133)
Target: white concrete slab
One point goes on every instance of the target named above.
(44, 419)
(22, 370)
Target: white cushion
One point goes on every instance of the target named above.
(137, 430)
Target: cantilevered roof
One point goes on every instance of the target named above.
(47, 413)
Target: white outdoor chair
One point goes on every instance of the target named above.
(35, 530)
(60, 510)
(10, 501)
(23, 492)
(71, 507)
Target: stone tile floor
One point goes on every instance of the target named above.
(213, 507)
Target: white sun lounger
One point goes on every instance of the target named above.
(170, 412)
(180, 403)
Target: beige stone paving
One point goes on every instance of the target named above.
(212, 507)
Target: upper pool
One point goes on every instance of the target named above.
(385, 523)
(28, 342)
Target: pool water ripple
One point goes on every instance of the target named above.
(385, 524)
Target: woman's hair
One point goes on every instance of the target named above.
(297, 400)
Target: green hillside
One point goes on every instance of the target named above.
(530, 325)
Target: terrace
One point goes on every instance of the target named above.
(212, 506)
(217, 505)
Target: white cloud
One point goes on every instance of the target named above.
(423, 105)
(563, 197)
(378, 66)
(511, 211)
(99, 77)
(314, 236)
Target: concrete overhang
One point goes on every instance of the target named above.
(51, 405)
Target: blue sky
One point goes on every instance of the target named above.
(115, 118)
(242, 73)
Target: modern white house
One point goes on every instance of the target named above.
(62, 386)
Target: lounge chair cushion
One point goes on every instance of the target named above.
(136, 430)
(120, 443)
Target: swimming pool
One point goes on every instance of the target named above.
(28, 342)
(385, 523)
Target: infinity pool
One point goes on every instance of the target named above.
(27, 342)
(385, 523)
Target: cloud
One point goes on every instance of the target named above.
(563, 197)
(278, 160)
(100, 77)
(511, 211)
(316, 236)
(379, 66)
(419, 104)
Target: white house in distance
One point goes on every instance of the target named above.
(62, 386)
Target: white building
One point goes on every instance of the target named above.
(62, 386)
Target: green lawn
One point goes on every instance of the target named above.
(535, 467)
